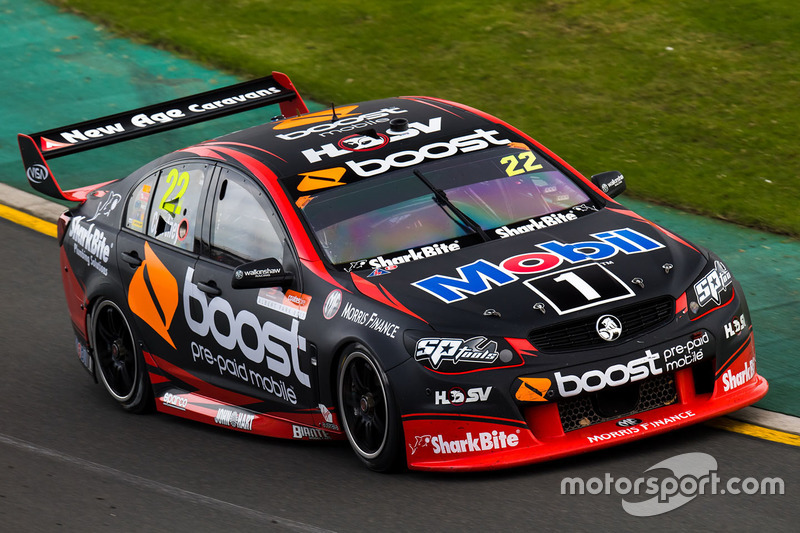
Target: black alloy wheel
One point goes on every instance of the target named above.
(119, 364)
(368, 412)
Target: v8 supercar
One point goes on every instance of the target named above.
(409, 274)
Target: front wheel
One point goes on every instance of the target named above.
(368, 412)
(119, 363)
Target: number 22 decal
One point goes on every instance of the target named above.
(526, 159)
(174, 179)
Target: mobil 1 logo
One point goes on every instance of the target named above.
(579, 288)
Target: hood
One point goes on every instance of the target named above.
(586, 267)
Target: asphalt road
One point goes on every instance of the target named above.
(71, 460)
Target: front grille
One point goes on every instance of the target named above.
(582, 333)
(609, 404)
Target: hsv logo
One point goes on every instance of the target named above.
(479, 276)
(533, 389)
(458, 396)
(735, 326)
(372, 140)
(153, 294)
(321, 179)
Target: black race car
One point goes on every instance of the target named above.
(410, 274)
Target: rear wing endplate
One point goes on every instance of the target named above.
(274, 89)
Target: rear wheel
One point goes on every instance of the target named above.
(368, 411)
(119, 363)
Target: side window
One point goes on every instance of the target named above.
(138, 202)
(176, 200)
(244, 225)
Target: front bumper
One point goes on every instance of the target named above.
(468, 442)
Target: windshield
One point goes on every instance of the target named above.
(500, 189)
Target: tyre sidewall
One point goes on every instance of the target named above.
(141, 400)
(390, 458)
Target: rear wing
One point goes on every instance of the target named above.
(274, 89)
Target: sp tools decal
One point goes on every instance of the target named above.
(153, 294)
(474, 350)
(321, 179)
(533, 389)
(715, 282)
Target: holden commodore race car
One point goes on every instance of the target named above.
(410, 274)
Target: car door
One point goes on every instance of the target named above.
(158, 246)
(251, 335)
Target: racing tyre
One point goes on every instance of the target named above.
(368, 411)
(118, 361)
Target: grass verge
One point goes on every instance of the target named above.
(695, 102)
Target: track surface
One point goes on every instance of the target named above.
(73, 461)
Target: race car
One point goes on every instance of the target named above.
(410, 274)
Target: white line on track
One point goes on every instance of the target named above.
(161, 488)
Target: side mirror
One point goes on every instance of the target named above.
(612, 182)
(262, 273)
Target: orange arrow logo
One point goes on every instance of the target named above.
(319, 116)
(153, 294)
(321, 179)
(533, 389)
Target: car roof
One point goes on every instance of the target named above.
(319, 141)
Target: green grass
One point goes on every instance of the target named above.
(695, 102)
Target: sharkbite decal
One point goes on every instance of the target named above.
(481, 275)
